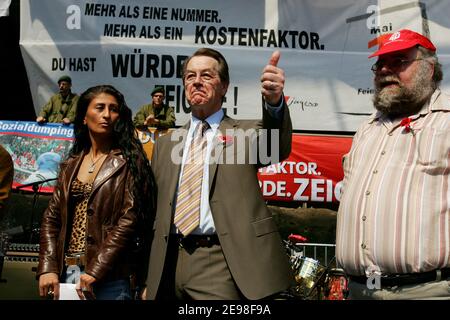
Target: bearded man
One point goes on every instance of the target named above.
(61, 107)
(393, 228)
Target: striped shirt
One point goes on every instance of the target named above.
(394, 213)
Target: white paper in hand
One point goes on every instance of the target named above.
(67, 291)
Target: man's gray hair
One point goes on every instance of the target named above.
(431, 56)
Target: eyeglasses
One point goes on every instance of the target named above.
(205, 76)
(395, 64)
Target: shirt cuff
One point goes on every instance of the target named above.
(275, 111)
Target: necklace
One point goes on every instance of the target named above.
(93, 163)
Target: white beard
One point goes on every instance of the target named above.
(401, 100)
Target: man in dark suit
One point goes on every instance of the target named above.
(227, 246)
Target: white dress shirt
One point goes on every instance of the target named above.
(206, 226)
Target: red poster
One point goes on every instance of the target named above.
(312, 172)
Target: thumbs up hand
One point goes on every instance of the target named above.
(272, 80)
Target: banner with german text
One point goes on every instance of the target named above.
(312, 172)
(136, 45)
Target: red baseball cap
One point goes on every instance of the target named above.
(403, 39)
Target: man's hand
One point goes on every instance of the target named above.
(40, 119)
(150, 120)
(272, 81)
(66, 121)
(144, 294)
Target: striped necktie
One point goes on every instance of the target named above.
(187, 211)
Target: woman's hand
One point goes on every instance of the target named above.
(49, 285)
(84, 287)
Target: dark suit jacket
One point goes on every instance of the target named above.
(248, 235)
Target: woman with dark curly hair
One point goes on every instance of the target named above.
(95, 230)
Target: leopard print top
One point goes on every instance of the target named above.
(80, 193)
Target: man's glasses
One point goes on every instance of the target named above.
(205, 76)
(394, 64)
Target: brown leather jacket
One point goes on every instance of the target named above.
(111, 221)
